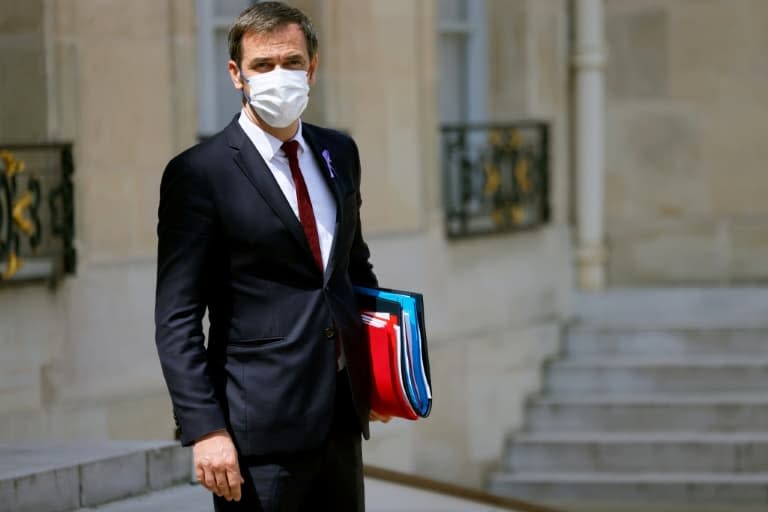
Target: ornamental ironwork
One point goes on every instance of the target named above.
(36, 212)
(495, 177)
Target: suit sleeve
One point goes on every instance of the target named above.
(185, 239)
(360, 268)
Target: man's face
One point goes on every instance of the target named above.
(261, 53)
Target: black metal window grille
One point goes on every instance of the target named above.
(495, 176)
(37, 219)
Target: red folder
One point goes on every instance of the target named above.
(387, 393)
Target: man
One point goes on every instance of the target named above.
(260, 225)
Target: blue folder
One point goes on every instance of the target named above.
(414, 358)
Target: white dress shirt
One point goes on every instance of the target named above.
(323, 203)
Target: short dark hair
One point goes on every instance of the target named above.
(266, 17)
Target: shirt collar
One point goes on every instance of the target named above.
(267, 145)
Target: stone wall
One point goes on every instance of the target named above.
(114, 78)
(22, 71)
(687, 84)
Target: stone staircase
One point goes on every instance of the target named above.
(659, 402)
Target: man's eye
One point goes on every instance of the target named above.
(262, 67)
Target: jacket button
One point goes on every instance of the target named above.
(329, 332)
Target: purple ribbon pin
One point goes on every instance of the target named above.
(327, 157)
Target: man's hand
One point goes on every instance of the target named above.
(374, 416)
(216, 465)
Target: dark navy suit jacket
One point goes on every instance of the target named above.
(229, 242)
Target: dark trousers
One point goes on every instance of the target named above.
(329, 477)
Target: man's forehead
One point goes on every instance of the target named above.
(289, 35)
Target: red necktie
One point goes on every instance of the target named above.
(307, 216)
(306, 213)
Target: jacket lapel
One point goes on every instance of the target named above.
(255, 169)
(323, 158)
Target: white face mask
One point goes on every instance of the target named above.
(280, 96)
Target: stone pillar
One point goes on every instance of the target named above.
(588, 62)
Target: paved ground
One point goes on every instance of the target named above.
(380, 497)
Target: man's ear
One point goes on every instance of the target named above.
(234, 75)
(312, 70)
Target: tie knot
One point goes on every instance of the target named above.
(291, 148)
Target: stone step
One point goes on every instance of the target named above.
(701, 412)
(674, 308)
(617, 492)
(639, 452)
(591, 341)
(673, 374)
(63, 476)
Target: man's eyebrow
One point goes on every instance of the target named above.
(259, 60)
(268, 60)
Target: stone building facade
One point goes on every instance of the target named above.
(687, 105)
(133, 83)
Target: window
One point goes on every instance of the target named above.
(463, 43)
(218, 101)
(494, 175)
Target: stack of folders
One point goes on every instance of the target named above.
(394, 320)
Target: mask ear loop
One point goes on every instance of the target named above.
(244, 81)
(246, 99)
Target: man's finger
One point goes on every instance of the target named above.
(379, 417)
(234, 479)
(209, 481)
(222, 485)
